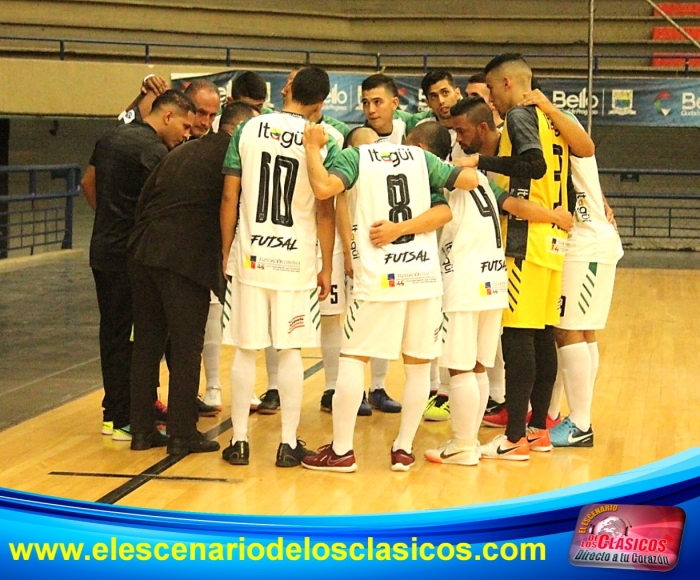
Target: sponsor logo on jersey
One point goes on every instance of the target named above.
(662, 103)
(557, 246)
(493, 288)
(493, 266)
(296, 322)
(576, 104)
(274, 242)
(622, 102)
(394, 157)
(406, 257)
(251, 262)
(285, 138)
(583, 212)
(389, 281)
(690, 105)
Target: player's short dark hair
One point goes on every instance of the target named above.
(502, 59)
(310, 86)
(476, 109)
(380, 80)
(435, 76)
(478, 78)
(200, 85)
(236, 112)
(249, 84)
(434, 136)
(174, 98)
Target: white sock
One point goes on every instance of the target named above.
(346, 401)
(444, 386)
(557, 391)
(595, 361)
(212, 345)
(242, 387)
(415, 395)
(291, 388)
(434, 376)
(497, 377)
(482, 379)
(379, 368)
(464, 406)
(576, 370)
(331, 333)
(271, 364)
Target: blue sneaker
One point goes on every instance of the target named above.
(379, 399)
(567, 434)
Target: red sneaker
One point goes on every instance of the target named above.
(402, 460)
(328, 460)
(553, 422)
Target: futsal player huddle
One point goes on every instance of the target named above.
(497, 263)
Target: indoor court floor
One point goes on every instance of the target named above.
(50, 414)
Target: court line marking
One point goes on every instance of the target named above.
(153, 476)
(169, 461)
(50, 376)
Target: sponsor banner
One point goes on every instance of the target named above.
(638, 514)
(628, 102)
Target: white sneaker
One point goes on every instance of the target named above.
(212, 397)
(452, 452)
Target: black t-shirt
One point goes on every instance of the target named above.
(177, 216)
(123, 159)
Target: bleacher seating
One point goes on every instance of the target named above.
(687, 13)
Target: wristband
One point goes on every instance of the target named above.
(147, 77)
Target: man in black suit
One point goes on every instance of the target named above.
(174, 262)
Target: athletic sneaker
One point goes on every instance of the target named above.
(500, 419)
(288, 457)
(269, 402)
(205, 410)
(107, 427)
(365, 409)
(402, 460)
(437, 409)
(492, 407)
(328, 460)
(161, 411)
(453, 453)
(327, 400)
(501, 448)
(379, 399)
(567, 434)
(237, 453)
(122, 434)
(553, 422)
(538, 439)
(212, 397)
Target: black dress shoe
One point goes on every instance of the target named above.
(144, 441)
(196, 443)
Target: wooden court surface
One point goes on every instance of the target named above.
(643, 411)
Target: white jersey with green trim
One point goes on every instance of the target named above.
(397, 135)
(275, 242)
(472, 254)
(594, 238)
(333, 133)
(392, 183)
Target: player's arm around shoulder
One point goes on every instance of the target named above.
(324, 184)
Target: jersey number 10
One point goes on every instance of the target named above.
(282, 189)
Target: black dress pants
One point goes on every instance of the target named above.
(116, 319)
(166, 305)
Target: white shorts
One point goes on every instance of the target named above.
(468, 337)
(256, 318)
(387, 329)
(586, 294)
(213, 298)
(336, 301)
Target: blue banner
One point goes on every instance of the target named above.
(628, 102)
(44, 537)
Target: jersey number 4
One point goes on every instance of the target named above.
(487, 210)
(282, 189)
(397, 188)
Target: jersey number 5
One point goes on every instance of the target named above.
(397, 187)
(282, 189)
